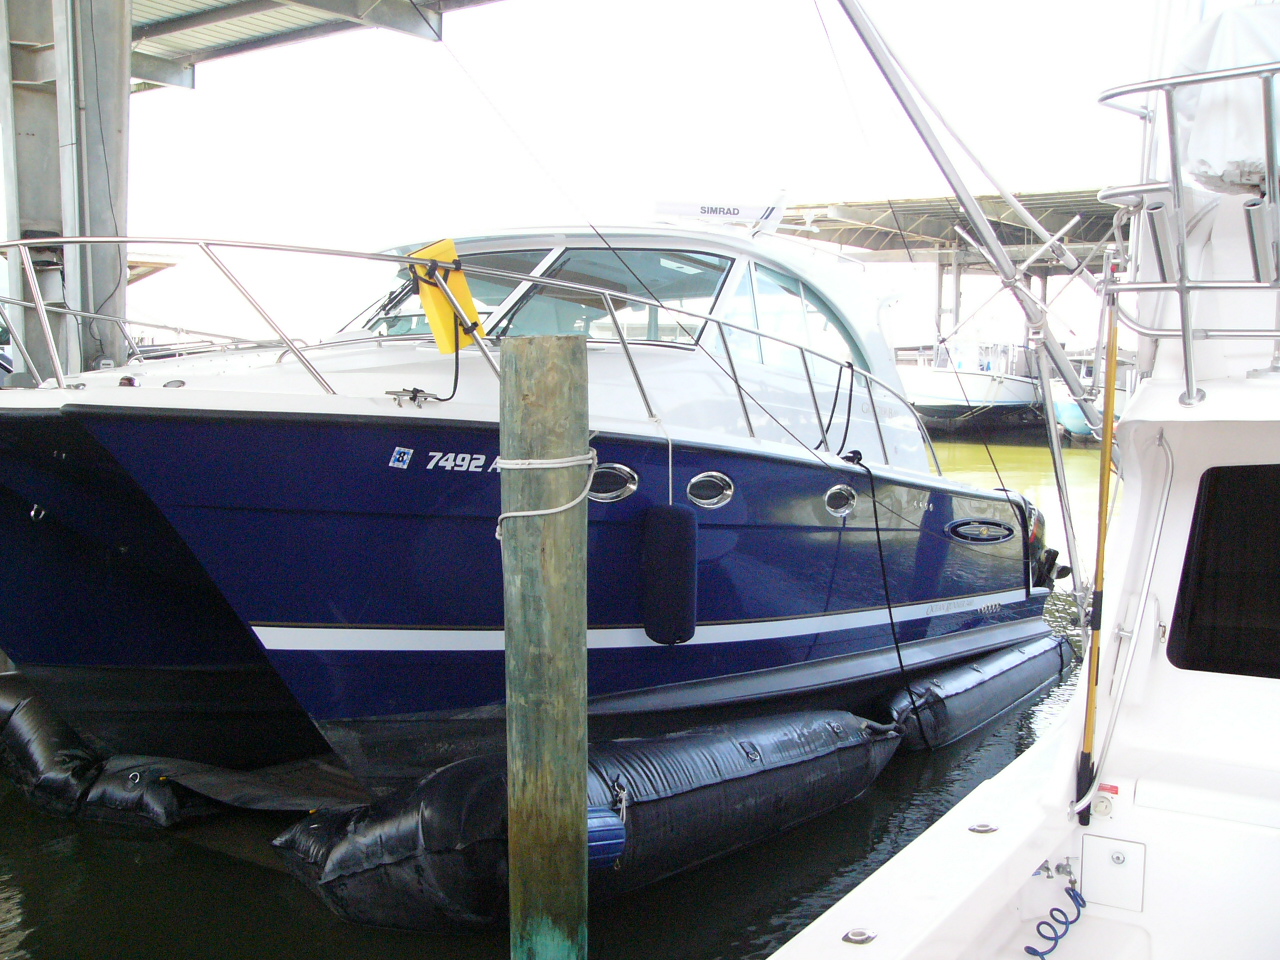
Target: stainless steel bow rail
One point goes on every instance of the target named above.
(1162, 220)
(698, 324)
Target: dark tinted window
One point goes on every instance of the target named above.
(1227, 618)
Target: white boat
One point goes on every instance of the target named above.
(987, 389)
(1162, 842)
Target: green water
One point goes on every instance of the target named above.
(1029, 470)
(72, 890)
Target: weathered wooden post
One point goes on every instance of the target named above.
(544, 563)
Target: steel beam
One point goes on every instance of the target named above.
(29, 129)
(166, 73)
(404, 16)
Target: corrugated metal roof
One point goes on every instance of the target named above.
(926, 229)
(171, 36)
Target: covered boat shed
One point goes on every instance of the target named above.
(931, 231)
(925, 231)
(68, 70)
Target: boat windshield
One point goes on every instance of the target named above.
(678, 279)
(405, 316)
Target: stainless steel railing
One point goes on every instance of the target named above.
(1167, 222)
(697, 323)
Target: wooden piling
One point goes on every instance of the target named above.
(544, 562)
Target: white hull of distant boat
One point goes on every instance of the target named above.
(944, 393)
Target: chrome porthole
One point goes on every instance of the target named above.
(710, 490)
(613, 482)
(980, 531)
(840, 500)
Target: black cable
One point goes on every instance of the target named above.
(848, 410)
(457, 358)
(106, 172)
(855, 458)
(835, 399)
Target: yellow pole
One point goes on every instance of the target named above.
(1084, 773)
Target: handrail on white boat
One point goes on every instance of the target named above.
(1162, 221)
(299, 350)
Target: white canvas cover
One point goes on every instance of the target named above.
(1222, 141)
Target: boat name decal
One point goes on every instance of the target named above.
(445, 460)
(980, 531)
(949, 606)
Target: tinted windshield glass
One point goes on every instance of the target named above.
(488, 292)
(675, 278)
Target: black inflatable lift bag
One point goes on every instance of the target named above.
(956, 702)
(698, 795)
(59, 772)
(436, 857)
(428, 860)
(40, 752)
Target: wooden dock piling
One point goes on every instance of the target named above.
(544, 561)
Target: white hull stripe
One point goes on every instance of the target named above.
(390, 639)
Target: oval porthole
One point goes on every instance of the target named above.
(840, 500)
(710, 490)
(613, 482)
(980, 531)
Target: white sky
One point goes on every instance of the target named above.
(369, 139)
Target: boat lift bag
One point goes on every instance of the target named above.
(938, 710)
(436, 857)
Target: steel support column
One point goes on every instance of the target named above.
(93, 109)
(64, 123)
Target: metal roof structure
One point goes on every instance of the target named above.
(925, 230)
(171, 36)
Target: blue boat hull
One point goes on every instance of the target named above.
(375, 588)
(116, 625)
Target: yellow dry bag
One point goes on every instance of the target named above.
(436, 304)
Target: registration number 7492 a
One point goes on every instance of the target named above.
(473, 462)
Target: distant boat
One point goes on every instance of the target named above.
(1068, 412)
(968, 383)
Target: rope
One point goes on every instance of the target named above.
(558, 463)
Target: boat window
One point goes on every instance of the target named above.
(791, 309)
(675, 278)
(1227, 617)
(780, 312)
(825, 331)
(488, 292)
(738, 308)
